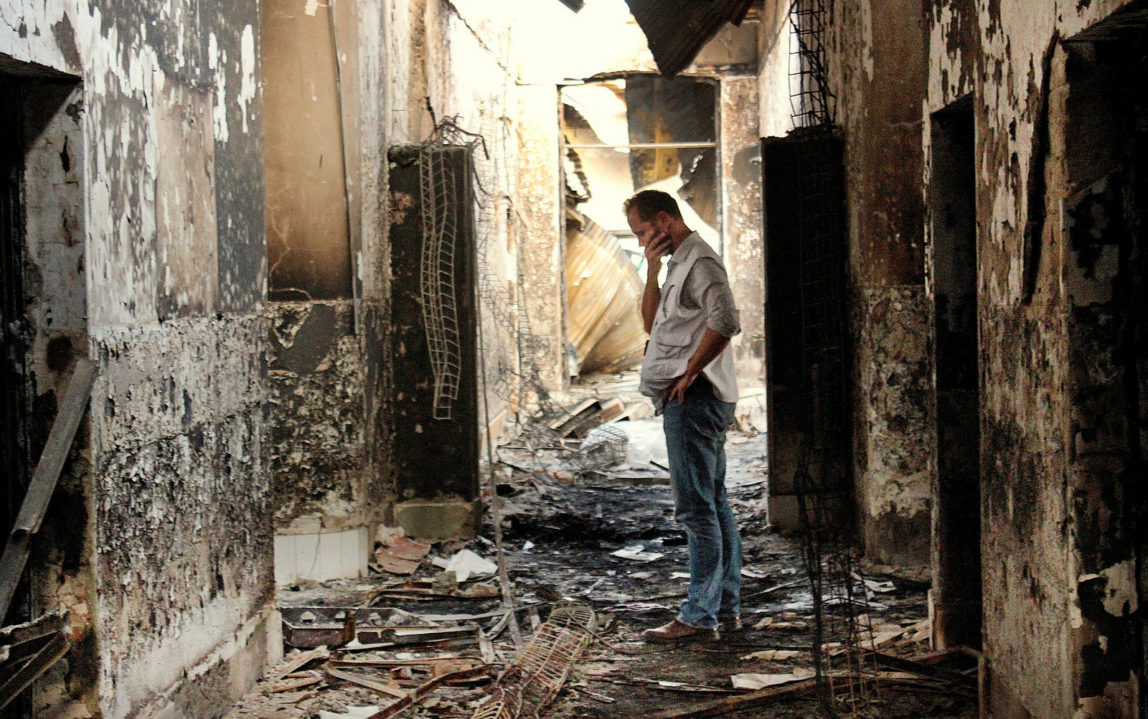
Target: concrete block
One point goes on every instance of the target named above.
(432, 520)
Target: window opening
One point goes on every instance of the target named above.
(620, 136)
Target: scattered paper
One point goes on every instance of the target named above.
(881, 587)
(753, 573)
(466, 564)
(637, 553)
(680, 575)
(760, 681)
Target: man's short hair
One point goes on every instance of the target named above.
(649, 203)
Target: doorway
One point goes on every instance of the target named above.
(1106, 283)
(956, 513)
(13, 326)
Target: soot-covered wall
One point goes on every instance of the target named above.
(146, 248)
(1058, 265)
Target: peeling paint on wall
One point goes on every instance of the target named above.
(895, 425)
(318, 454)
(175, 460)
(181, 488)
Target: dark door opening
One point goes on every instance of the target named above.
(13, 327)
(956, 512)
(807, 363)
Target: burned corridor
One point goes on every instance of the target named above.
(299, 296)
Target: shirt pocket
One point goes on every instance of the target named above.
(673, 336)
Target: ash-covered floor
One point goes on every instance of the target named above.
(603, 539)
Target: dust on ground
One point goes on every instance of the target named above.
(561, 526)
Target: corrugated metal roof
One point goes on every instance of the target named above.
(677, 29)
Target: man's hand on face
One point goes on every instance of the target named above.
(678, 391)
(658, 248)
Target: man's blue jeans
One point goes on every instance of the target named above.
(695, 442)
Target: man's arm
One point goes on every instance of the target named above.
(711, 346)
(707, 288)
(652, 294)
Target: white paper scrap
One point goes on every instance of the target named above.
(466, 564)
(637, 553)
(760, 681)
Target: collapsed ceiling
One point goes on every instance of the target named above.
(678, 29)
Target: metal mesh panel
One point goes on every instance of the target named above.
(843, 660)
(811, 102)
(845, 670)
(537, 674)
(439, 194)
(604, 447)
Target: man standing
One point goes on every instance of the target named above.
(688, 371)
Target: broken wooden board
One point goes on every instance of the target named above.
(421, 692)
(722, 707)
(375, 685)
(299, 661)
(575, 417)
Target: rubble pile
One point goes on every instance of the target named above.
(426, 634)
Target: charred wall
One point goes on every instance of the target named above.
(1105, 271)
(1058, 267)
(318, 446)
(329, 314)
(876, 71)
(146, 253)
(332, 366)
(877, 68)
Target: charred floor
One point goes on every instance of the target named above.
(302, 299)
(598, 534)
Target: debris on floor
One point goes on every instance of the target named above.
(30, 649)
(594, 558)
(396, 553)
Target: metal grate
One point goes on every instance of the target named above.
(537, 674)
(439, 194)
(811, 102)
(813, 113)
(844, 663)
(603, 447)
(845, 670)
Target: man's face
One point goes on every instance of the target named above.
(647, 231)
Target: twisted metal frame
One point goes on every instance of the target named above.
(537, 674)
(439, 197)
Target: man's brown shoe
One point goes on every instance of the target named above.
(729, 622)
(676, 632)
